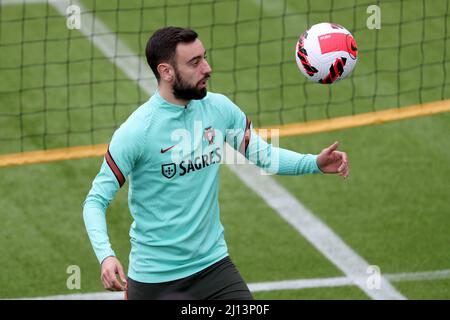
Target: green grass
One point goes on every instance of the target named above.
(44, 232)
(426, 290)
(261, 43)
(393, 210)
(263, 246)
(58, 90)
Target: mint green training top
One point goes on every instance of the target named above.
(170, 155)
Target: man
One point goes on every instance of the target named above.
(170, 149)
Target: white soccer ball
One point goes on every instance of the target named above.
(326, 53)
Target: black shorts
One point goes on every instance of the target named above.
(220, 281)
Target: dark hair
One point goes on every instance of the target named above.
(161, 46)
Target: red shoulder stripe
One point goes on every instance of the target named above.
(247, 134)
(114, 168)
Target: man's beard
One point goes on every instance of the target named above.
(184, 91)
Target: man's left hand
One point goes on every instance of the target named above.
(332, 161)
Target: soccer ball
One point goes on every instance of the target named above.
(326, 53)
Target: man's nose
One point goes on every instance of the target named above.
(206, 68)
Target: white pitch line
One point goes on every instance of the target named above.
(345, 281)
(419, 276)
(300, 284)
(320, 235)
(111, 46)
(313, 229)
(84, 296)
(310, 226)
(297, 284)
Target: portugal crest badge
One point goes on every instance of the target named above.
(209, 135)
(168, 170)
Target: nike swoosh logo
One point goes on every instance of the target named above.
(165, 150)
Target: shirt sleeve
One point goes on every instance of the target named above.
(242, 137)
(123, 151)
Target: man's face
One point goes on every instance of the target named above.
(192, 71)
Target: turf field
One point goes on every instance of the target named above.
(393, 210)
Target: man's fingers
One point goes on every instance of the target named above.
(344, 160)
(331, 148)
(344, 157)
(111, 267)
(111, 283)
(106, 282)
(116, 285)
(343, 168)
(345, 172)
(335, 161)
(122, 274)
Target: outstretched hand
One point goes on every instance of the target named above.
(332, 161)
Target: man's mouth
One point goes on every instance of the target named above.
(203, 82)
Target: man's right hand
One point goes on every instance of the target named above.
(110, 268)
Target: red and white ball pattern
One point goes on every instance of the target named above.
(326, 53)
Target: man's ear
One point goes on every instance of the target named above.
(166, 72)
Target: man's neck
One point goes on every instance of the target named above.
(166, 92)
